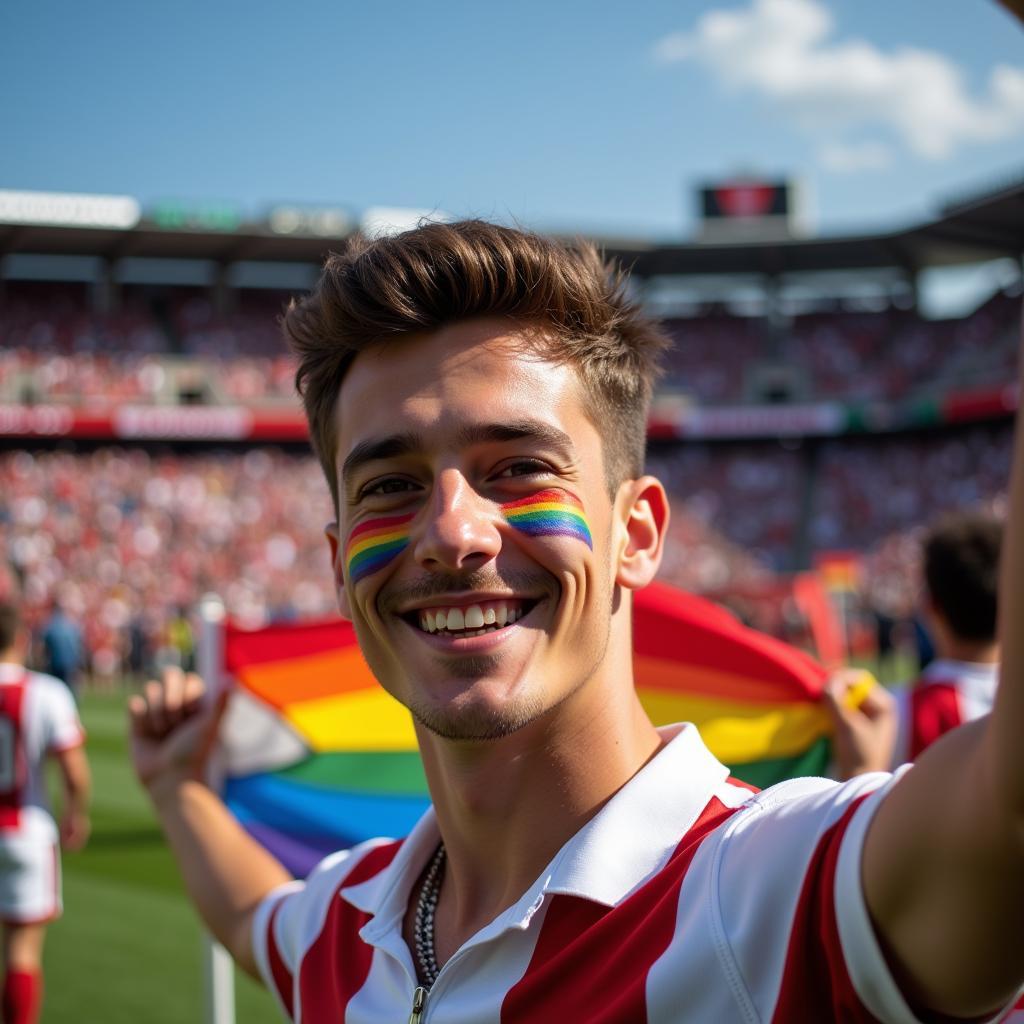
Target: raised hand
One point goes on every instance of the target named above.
(173, 728)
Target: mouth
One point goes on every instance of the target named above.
(470, 619)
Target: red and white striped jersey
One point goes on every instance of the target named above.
(688, 897)
(947, 694)
(37, 717)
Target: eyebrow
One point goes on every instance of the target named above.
(395, 445)
(379, 448)
(533, 430)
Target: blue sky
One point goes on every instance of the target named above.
(584, 116)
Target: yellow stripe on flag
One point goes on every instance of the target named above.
(360, 720)
(740, 732)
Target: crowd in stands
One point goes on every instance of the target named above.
(866, 490)
(750, 494)
(880, 356)
(54, 348)
(128, 541)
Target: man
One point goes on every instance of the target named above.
(961, 575)
(37, 720)
(478, 398)
(63, 648)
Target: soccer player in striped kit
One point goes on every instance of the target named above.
(38, 720)
(961, 576)
(478, 396)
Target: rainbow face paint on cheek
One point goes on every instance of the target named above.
(550, 513)
(374, 543)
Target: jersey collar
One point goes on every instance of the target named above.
(627, 841)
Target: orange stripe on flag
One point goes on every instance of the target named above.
(678, 677)
(298, 679)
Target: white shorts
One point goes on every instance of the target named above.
(29, 880)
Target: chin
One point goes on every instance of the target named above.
(475, 719)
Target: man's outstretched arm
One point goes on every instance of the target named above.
(226, 872)
(943, 865)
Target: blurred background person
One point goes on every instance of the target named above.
(961, 576)
(38, 719)
(63, 646)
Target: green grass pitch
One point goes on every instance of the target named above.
(128, 948)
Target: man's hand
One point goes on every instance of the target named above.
(865, 729)
(173, 729)
(226, 872)
(74, 830)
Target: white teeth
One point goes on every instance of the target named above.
(472, 621)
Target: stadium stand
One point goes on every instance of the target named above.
(781, 436)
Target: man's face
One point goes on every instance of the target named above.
(474, 547)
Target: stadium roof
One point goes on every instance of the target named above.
(985, 227)
(981, 228)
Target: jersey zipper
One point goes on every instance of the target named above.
(419, 1005)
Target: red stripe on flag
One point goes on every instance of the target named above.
(673, 625)
(287, 640)
(583, 945)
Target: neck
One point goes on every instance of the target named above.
(979, 652)
(505, 807)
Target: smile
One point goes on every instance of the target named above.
(470, 620)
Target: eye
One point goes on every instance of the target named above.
(387, 485)
(523, 467)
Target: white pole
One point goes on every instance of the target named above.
(218, 982)
(218, 968)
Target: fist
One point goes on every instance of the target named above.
(864, 718)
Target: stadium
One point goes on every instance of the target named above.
(810, 419)
(808, 408)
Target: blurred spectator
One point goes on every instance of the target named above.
(63, 650)
(55, 348)
(961, 575)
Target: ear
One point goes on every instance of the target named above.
(334, 542)
(643, 520)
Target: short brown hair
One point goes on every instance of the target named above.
(439, 274)
(961, 569)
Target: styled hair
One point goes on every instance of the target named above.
(961, 569)
(572, 303)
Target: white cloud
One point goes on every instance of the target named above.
(783, 50)
(857, 156)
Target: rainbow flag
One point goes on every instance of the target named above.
(318, 757)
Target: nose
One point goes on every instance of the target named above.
(461, 529)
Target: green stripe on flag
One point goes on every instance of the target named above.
(813, 761)
(365, 771)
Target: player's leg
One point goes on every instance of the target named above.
(29, 899)
(23, 974)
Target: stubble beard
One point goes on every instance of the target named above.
(474, 722)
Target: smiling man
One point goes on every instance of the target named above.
(477, 397)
